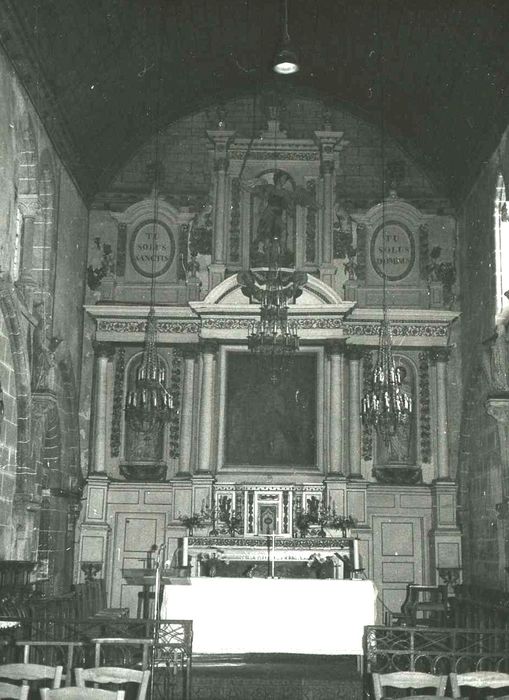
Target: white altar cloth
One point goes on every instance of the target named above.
(299, 616)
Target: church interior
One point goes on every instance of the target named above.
(254, 362)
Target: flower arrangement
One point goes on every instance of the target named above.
(191, 521)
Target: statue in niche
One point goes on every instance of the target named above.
(142, 446)
(399, 447)
(275, 197)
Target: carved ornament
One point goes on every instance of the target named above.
(400, 329)
(110, 326)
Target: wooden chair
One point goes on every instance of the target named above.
(407, 680)
(26, 673)
(68, 652)
(81, 694)
(425, 605)
(15, 692)
(478, 679)
(113, 675)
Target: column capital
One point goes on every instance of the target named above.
(190, 351)
(102, 349)
(498, 408)
(335, 347)
(440, 354)
(28, 205)
(354, 352)
(208, 347)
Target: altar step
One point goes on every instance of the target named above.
(275, 677)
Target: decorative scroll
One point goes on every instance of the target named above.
(118, 401)
(311, 220)
(285, 512)
(235, 222)
(175, 390)
(367, 433)
(250, 512)
(424, 408)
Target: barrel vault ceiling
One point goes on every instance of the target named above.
(104, 75)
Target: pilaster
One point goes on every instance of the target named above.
(445, 536)
(94, 530)
(439, 358)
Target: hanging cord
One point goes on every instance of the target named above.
(381, 77)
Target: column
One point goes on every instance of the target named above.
(28, 204)
(335, 413)
(328, 142)
(221, 139)
(103, 353)
(354, 413)
(439, 358)
(186, 415)
(206, 408)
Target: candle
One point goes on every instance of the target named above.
(185, 551)
(356, 558)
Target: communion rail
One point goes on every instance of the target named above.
(433, 650)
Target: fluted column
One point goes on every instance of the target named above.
(206, 408)
(186, 415)
(103, 354)
(335, 412)
(354, 412)
(439, 358)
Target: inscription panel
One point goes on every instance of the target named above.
(392, 251)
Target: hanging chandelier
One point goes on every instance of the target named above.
(150, 404)
(273, 335)
(386, 406)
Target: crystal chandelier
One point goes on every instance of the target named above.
(273, 335)
(150, 404)
(386, 405)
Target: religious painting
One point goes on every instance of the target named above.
(270, 423)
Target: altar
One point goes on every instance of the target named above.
(296, 616)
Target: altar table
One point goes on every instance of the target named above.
(299, 616)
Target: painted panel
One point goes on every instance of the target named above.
(448, 554)
(95, 503)
(398, 572)
(140, 533)
(398, 539)
(124, 497)
(92, 548)
(382, 500)
(446, 509)
(182, 502)
(158, 497)
(416, 501)
(356, 505)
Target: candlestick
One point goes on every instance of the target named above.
(185, 551)
(356, 558)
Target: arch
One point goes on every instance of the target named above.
(314, 292)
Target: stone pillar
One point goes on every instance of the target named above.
(336, 410)
(103, 354)
(327, 142)
(354, 412)
(186, 412)
(221, 139)
(439, 358)
(28, 204)
(206, 408)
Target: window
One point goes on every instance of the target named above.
(501, 217)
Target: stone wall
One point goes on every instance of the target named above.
(482, 471)
(43, 222)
